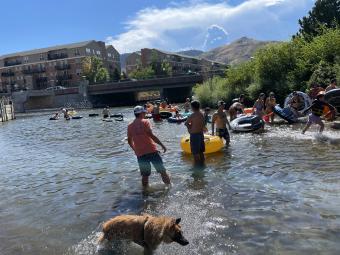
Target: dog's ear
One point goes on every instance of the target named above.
(178, 220)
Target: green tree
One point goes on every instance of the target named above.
(142, 73)
(93, 70)
(116, 75)
(166, 68)
(325, 13)
(323, 74)
(102, 75)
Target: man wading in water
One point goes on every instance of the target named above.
(143, 142)
(221, 120)
(196, 127)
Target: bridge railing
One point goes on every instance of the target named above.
(168, 81)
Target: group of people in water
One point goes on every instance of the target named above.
(65, 112)
(144, 143)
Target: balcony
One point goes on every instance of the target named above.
(34, 70)
(57, 56)
(12, 63)
(64, 77)
(7, 74)
(63, 67)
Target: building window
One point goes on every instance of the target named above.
(109, 55)
(76, 53)
(41, 57)
(98, 52)
(25, 59)
(94, 52)
(88, 50)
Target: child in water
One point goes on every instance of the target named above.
(317, 111)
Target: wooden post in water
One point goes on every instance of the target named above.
(6, 109)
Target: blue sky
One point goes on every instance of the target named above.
(132, 24)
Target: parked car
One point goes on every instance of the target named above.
(55, 88)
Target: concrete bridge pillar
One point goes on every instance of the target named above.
(19, 100)
(83, 88)
(161, 93)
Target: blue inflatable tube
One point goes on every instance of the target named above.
(285, 113)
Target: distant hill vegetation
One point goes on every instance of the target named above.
(234, 53)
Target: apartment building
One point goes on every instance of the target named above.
(180, 64)
(133, 61)
(53, 66)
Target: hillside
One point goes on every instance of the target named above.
(191, 53)
(236, 52)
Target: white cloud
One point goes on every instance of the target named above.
(187, 25)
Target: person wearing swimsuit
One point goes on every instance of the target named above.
(259, 105)
(295, 103)
(236, 108)
(317, 111)
(221, 120)
(270, 104)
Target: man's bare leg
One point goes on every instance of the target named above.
(145, 181)
(322, 127)
(165, 178)
(306, 127)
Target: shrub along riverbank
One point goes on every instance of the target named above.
(279, 67)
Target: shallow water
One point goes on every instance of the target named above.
(271, 193)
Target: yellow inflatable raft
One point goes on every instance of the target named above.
(212, 144)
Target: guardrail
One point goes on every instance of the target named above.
(147, 84)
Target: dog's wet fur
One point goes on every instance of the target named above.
(145, 230)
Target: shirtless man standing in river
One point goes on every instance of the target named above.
(221, 120)
(196, 127)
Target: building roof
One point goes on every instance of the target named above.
(43, 50)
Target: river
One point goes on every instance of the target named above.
(271, 193)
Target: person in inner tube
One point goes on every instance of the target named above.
(317, 111)
(236, 108)
(269, 105)
(295, 103)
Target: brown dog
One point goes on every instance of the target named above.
(145, 230)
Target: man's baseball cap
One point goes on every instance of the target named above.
(139, 109)
(220, 103)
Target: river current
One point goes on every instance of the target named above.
(271, 193)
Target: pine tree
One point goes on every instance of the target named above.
(325, 14)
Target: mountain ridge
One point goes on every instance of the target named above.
(233, 53)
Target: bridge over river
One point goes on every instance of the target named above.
(176, 89)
